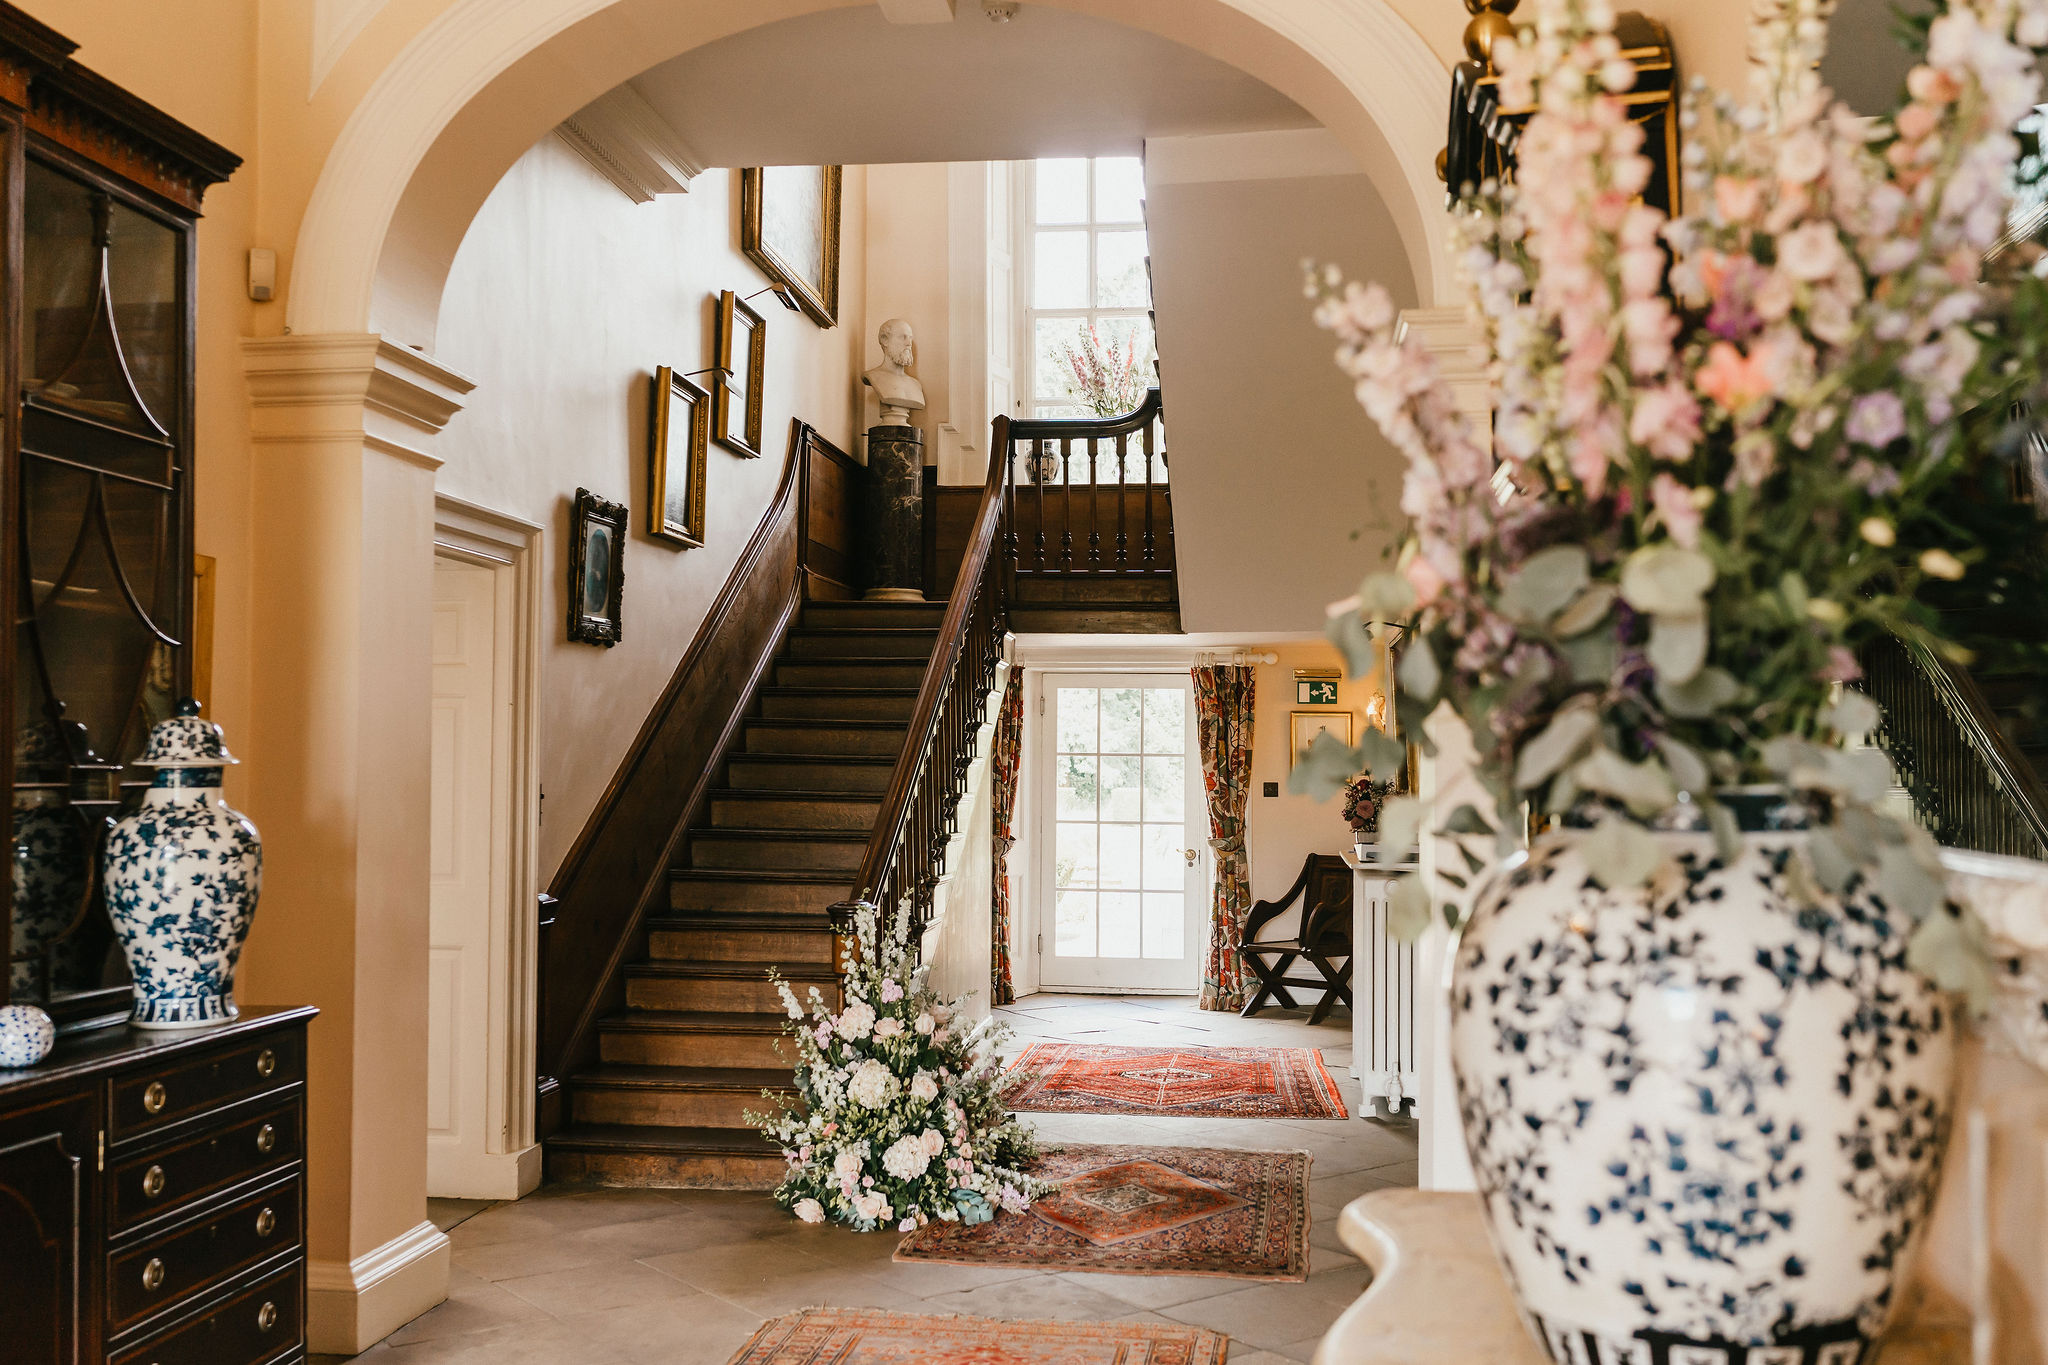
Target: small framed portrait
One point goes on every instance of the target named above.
(679, 434)
(1306, 725)
(742, 350)
(597, 568)
(789, 226)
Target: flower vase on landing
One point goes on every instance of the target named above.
(182, 876)
(1705, 1112)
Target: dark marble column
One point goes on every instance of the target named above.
(892, 526)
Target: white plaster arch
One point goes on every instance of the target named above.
(487, 78)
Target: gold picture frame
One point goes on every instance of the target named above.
(736, 401)
(680, 435)
(1304, 726)
(789, 226)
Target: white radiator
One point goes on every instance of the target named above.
(1383, 998)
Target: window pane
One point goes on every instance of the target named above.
(1074, 934)
(1120, 789)
(1053, 374)
(1120, 715)
(1076, 787)
(1120, 856)
(1165, 868)
(1120, 929)
(1063, 190)
(1166, 925)
(1119, 189)
(1074, 855)
(1166, 720)
(1077, 720)
(1059, 270)
(1166, 789)
(1120, 270)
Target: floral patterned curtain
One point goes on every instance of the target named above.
(1007, 750)
(1223, 721)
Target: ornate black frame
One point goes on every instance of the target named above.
(606, 630)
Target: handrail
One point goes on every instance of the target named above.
(1069, 523)
(1962, 772)
(918, 809)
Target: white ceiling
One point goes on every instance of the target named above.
(846, 86)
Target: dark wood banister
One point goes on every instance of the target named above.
(885, 845)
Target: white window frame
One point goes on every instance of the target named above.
(1024, 196)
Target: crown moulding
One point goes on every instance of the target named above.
(629, 144)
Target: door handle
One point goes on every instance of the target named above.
(1191, 854)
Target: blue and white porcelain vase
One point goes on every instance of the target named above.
(1706, 1116)
(182, 875)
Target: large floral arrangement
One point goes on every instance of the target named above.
(1108, 373)
(898, 1117)
(1722, 439)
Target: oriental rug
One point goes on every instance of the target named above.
(1145, 1211)
(1185, 1082)
(872, 1336)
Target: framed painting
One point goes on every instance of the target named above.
(678, 436)
(1306, 725)
(789, 226)
(742, 350)
(597, 569)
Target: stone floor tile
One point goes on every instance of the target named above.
(446, 1213)
(1155, 1291)
(595, 1287)
(698, 1329)
(474, 1305)
(1052, 1296)
(546, 1342)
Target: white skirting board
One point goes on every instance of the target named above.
(353, 1305)
(456, 1174)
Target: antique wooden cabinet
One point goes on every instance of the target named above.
(151, 1200)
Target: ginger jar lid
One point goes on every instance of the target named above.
(186, 741)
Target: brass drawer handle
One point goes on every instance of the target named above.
(266, 1317)
(266, 1062)
(266, 1223)
(153, 1274)
(156, 1097)
(153, 1181)
(266, 1139)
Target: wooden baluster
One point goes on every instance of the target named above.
(1008, 531)
(1123, 484)
(1148, 550)
(1067, 504)
(1038, 449)
(1094, 507)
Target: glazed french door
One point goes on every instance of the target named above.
(1123, 877)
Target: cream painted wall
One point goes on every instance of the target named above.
(563, 300)
(905, 262)
(1285, 494)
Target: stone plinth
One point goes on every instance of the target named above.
(892, 520)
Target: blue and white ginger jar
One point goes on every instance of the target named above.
(1706, 1117)
(182, 876)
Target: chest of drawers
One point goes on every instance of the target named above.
(152, 1198)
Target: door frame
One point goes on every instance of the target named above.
(1035, 847)
(508, 1165)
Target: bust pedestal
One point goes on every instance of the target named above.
(892, 558)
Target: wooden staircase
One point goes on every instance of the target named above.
(781, 839)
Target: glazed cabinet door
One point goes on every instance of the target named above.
(47, 1156)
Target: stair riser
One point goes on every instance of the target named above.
(860, 646)
(685, 893)
(796, 813)
(740, 854)
(866, 778)
(1039, 592)
(774, 739)
(768, 947)
(649, 1170)
(1082, 621)
(643, 1047)
(712, 993)
(670, 1108)
(792, 672)
(896, 707)
(872, 615)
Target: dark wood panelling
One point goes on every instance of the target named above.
(831, 517)
(617, 872)
(948, 516)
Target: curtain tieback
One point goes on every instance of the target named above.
(1228, 849)
(1003, 846)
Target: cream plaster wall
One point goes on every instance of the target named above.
(905, 265)
(564, 298)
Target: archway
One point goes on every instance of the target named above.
(484, 81)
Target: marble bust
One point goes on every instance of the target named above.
(900, 393)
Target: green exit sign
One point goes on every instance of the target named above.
(1315, 691)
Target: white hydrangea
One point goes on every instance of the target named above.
(870, 1084)
(856, 1021)
(906, 1158)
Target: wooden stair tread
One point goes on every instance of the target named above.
(781, 834)
(636, 1137)
(694, 1021)
(792, 972)
(812, 876)
(780, 794)
(820, 690)
(824, 723)
(777, 756)
(617, 1076)
(767, 921)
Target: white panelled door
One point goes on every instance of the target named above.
(460, 898)
(1124, 834)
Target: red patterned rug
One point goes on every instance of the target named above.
(1186, 1082)
(871, 1336)
(1146, 1211)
